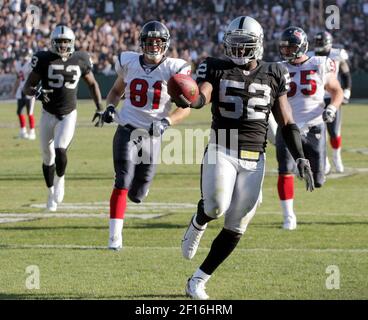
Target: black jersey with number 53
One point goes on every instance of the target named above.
(62, 77)
(242, 100)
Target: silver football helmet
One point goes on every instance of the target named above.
(243, 40)
(62, 41)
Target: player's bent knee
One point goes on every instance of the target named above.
(48, 158)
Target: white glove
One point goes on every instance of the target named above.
(329, 114)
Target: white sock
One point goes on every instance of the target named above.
(116, 228)
(336, 153)
(32, 131)
(200, 274)
(287, 207)
(51, 190)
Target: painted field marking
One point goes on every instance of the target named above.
(82, 247)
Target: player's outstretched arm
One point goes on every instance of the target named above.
(291, 134)
(113, 98)
(96, 95)
(333, 87)
(29, 88)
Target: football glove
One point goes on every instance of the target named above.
(98, 115)
(329, 114)
(305, 172)
(109, 114)
(42, 95)
(182, 102)
(347, 93)
(158, 127)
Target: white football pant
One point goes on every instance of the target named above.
(231, 186)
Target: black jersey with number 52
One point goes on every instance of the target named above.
(62, 77)
(242, 100)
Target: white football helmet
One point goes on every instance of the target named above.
(243, 40)
(62, 41)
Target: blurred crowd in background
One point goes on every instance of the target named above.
(105, 28)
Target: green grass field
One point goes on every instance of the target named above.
(269, 263)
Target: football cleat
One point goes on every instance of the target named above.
(59, 184)
(51, 204)
(196, 289)
(289, 222)
(191, 239)
(23, 135)
(116, 243)
(32, 135)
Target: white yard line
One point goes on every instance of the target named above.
(82, 247)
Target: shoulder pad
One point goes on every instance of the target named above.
(126, 57)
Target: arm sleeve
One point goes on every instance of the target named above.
(283, 79)
(204, 72)
(36, 63)
(185, 68)
(291, 135)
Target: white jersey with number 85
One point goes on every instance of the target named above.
(307, 89)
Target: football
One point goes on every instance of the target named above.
(181, 84)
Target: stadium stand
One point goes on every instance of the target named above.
(105, 28)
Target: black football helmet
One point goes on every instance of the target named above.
(154, 39)
(323, 43)
(293, 43)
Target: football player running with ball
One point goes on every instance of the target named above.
(243, 91)
(143, 118)
(59, 70)
(310, 77)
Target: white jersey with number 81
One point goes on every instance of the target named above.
(146, 96)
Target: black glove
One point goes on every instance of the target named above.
(42, 95)
(98, 115)
(109, 114)
(329, 114)
(182, 102)
(157, 128)
(305, 172)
